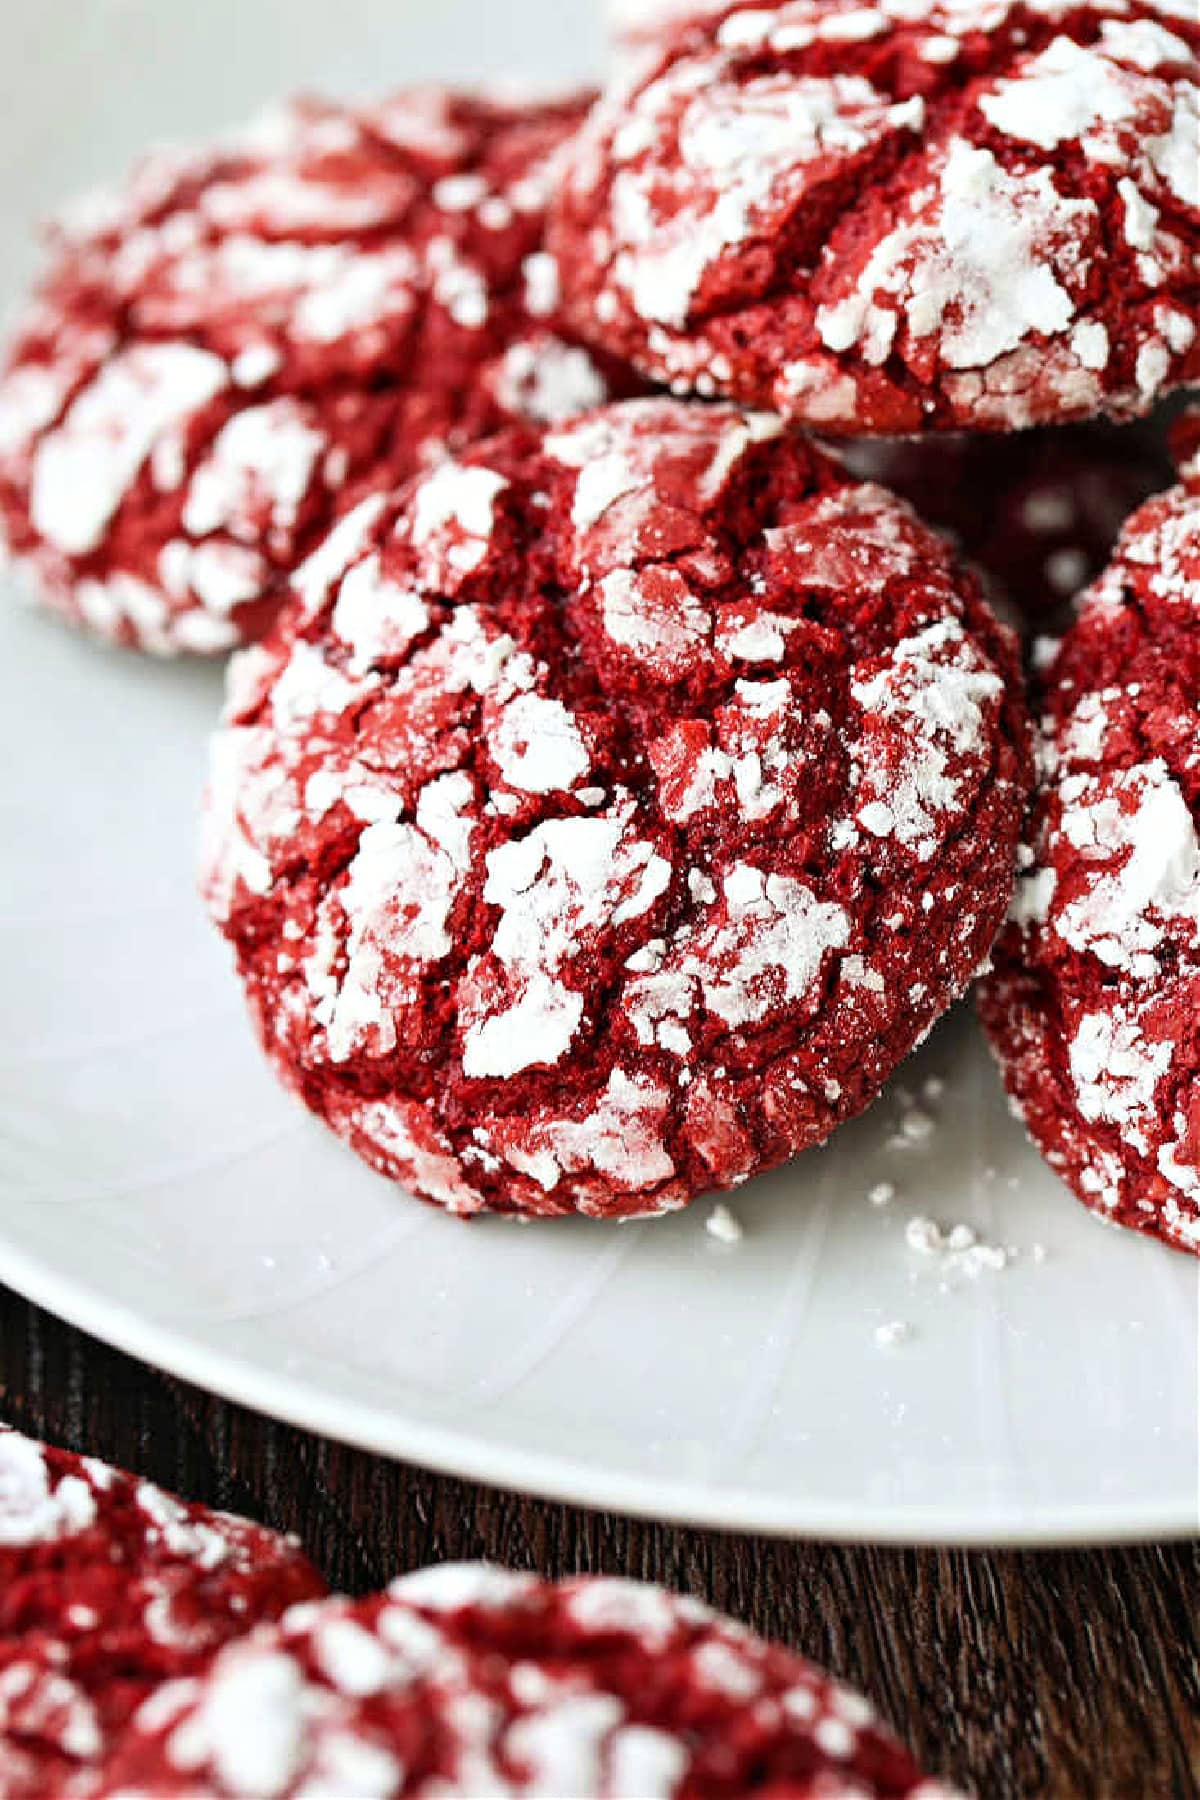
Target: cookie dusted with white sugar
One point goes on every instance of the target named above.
(1094, 1003)
(466, 1680)
(219, 353)
(614, 810)
(885, 217)
(108, 1587)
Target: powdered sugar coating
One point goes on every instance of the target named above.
(1095, 999)
(223, 352)
(880, 217)
(614, 812)
(109, 1586)
(465, 1680)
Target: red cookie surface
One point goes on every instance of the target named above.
(881, 216)
(1037, 512)
(466, 1680)
(614, 811)
(1094, 1003)
(220, 352)
(108, 1586)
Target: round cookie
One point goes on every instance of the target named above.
(1037, 512)
(890, 217)
(221, 351)
(108, 1586)
(1093, 1006)
(467, 1680)
(614, 811)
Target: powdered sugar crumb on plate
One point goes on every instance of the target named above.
(722, 1225)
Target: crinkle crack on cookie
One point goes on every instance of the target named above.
(467, 1680)
(886, 217)
(614, 811)
(1094, 1003)
(221, 352)
(109, 1587)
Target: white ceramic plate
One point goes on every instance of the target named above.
(157, 1189)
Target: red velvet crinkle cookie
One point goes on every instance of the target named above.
(1094, 1003)
(1038, 512)
(466, 1680)
(221, 351)
(108, 1586)
(889, 215)
(614, 811)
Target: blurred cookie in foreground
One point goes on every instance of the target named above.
(466, 1680)
(220, 351)
(109, 1586)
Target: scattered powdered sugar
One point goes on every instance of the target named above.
(916, 1126)
(956, 1250)
(722, 1225)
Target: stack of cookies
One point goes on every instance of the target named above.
(615, 500)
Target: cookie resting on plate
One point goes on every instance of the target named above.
(614, 810)
(467, 1680)
(1094, 1003)
(109, 1586)
(888, 216)
(1037, 512)
(220, 351)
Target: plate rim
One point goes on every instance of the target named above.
(564, 1479)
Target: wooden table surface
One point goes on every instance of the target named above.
(1063, 1673)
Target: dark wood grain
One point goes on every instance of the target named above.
(1063, 1674)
